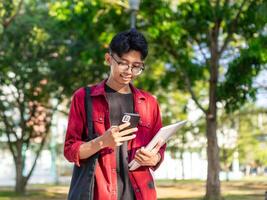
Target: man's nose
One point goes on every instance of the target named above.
(129, 69)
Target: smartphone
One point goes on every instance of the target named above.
(133, 118)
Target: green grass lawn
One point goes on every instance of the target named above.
(246, 189)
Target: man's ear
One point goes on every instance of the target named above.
(108, 58)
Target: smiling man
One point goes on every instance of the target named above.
(116, 145)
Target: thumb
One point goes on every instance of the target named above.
(157, 147)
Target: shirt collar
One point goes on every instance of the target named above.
(99, 89)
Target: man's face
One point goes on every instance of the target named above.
(123, 69)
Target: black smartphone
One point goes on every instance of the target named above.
(133, 118)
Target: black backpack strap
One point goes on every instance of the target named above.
(89, 111)
(82, 182)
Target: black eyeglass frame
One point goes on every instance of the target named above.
(142, 68)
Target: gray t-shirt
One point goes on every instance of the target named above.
(119, 104)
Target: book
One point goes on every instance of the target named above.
(162, 135)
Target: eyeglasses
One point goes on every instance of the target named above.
(136, 67)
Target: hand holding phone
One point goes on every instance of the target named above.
(133, 118)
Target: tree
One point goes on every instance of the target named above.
(222, 43)
(47, 50)
(86, 29)
(26, 87)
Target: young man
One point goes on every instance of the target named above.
(116, 145)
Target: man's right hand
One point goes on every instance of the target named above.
(113, 137)
(116, 135)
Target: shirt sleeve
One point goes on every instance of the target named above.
(76, 128)
(157, 126)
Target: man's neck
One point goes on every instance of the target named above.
(124, 89)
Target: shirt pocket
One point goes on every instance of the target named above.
(144, 124)
(144, 131)
(98, 122)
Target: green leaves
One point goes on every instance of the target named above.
(238, 85)
(54, 47)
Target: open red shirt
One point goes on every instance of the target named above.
(105, 174)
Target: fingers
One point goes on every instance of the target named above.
(146, 158)
(123, 126)
(143, 154)
(114, 129)
(157, 147)
(117, 130)
(119, 141)
(146, 153)
(126, 138)
(127, 131)
(142, 159)
(123, 132)
(117, 137)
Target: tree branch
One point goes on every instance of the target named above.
(8, 132)
(187, 80)
(6, 122)
(9, 142)
(232, 27)
(42, 143)
(189, 87)
(36, 157)
(38, 153)
(21, 109)
(261, 85)
(7, 22)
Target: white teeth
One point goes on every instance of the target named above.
(126, 78)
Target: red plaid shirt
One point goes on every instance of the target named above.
(105, 173)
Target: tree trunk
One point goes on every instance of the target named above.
(20, 185)
(213, 191)
(213, 182)
(20, 179)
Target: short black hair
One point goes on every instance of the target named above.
(126, 41)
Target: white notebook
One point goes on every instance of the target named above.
(163, 134)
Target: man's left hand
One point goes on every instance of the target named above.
(148, 158)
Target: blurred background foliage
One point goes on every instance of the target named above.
(50, 48)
